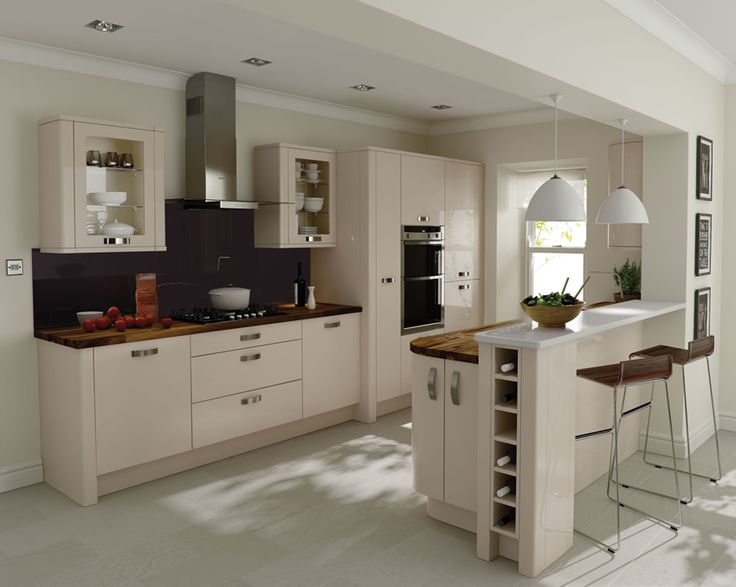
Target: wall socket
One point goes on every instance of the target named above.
(13, 266)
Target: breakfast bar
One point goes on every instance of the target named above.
(525, 411)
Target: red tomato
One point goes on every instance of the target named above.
(113, 313)
(150, 319)
(129, 321)
(141, 322)
(103, 323)
(89, 325)
(120, 325)
(166, 322)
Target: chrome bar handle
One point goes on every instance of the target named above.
(431, 383)
(388, 280)
(253, 357)
(463, 273)
(314, 239)
(247, 401)
(116, 240)
(144, 352)
(423, 218)
(254, 336)
(332, 324)
(464, 286)
(455, 388)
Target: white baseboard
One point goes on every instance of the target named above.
(20, 475)
(660, 443)
(727, 421)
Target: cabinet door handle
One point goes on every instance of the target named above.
(332, 324)
(464, 286)
(254, 336)
(314, 239)
(387, 280)
(431, 383)
(253, 357)
(144, 352)
(422, 218)
(463, 273)
(455, 388)
(247, 401)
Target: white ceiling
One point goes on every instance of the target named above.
(208, 35)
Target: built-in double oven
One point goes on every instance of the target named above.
(422, 278)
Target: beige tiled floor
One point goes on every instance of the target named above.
(336, 508)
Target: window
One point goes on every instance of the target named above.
(555, 250)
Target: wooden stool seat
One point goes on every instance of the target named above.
(632, 372)
(607, 375)
(679, 356)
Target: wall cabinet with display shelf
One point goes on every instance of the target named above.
(82, 202)
(296, 189)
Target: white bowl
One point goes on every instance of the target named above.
(107, 198)
(229, 298)
(82, 316)
(312, 166)
(299, 201)
(313, 204)
(118, 229)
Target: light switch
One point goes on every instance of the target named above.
(14, 266)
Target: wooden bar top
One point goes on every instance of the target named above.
(75, 337)
(459, 345)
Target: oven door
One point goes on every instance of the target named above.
(422, 259)
(422, 304)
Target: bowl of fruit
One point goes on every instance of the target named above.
(553, 310)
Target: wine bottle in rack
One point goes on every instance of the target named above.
(509, 457)
(505, 520)
(507, 397)
(506, 489)
(508, 367)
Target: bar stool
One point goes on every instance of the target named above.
(698, 349)
(616, 376)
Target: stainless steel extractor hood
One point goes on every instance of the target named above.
(210, 143)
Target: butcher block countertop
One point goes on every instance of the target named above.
(75, 337)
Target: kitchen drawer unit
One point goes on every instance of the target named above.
(243, 338)
(331, 353)
(142, 402)
(236, 415)
(232, 372)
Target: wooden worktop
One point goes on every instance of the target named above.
(75, 337)
(459, 345)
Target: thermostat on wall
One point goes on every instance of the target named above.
(14, 266)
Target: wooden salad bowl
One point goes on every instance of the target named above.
(553, 316)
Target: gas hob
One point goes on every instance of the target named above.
(210, 315)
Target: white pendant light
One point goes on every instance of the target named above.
(556, 199)
(622, 206)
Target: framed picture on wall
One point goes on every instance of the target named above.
(703, 234)
(702, 312)
(704, 175)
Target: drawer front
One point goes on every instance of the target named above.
(243, 338)
(229, 417)
(331, 363)
(142, 402)
(238, 371)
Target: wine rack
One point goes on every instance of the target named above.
(505, 442)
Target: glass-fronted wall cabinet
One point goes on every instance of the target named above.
(295, 187)
(101, 186)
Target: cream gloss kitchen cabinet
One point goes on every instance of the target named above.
(143, 409)
(422, 190)
(71, 221)
(444, 429)
(298, 207)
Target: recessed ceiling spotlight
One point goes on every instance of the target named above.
(104, 26)
(257, 61)
(363, 87)
(441, 106)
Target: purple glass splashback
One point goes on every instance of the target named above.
(66, 284)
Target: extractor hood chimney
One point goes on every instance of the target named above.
(210, 143)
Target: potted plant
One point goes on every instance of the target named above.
(628, 281)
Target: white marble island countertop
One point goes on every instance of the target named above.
(588, 323)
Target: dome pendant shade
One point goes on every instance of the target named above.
(622, 207)
(556, 200)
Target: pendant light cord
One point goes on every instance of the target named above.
(622, 153)
(556, 101)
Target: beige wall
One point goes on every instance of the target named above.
(582, 142)
(31, 93)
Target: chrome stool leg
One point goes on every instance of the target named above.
(715, 424)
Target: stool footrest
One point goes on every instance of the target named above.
(594, 433)
(635, 409)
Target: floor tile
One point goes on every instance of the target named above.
(30, 568)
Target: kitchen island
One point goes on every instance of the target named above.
(472, 416)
